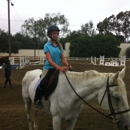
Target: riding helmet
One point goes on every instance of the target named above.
(52, 28)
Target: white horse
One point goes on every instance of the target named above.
(75, 88)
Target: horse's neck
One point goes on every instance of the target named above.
(85, 88)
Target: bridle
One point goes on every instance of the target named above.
(113, 113)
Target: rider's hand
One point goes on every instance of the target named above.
(63, 69)
(69, 67)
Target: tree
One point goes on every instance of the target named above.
(125, 19)
(29, 28)
(21, 39)
(80, 47)
(106, 45)
(104, 27)
(4, 43)
(56, 19)
(25, 42)
(37, 29)
(88, 29)
(118, 25)
(87, 46)
(69, 37)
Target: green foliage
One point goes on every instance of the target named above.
(117, 25)
(106, 45)
(38, 28)
(70, 37)
(88, 29)
(25, 42)
(80, 47)
(95, 46)
(84, 42)
(4, 47)
(128, 52)
(15, 47)
(120, 38)
(3, 42)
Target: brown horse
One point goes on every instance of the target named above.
(4, 60)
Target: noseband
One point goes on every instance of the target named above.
(113, 113)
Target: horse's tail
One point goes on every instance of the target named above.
(25, 85)
(25, 78)
(28, 78)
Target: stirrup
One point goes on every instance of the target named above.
(38, 104)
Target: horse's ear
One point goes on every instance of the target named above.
(122, 72)
(116, 76)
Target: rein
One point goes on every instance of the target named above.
(113, 113)
(85, 101)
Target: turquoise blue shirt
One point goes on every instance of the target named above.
(55, 53)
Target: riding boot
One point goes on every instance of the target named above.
(37, 102)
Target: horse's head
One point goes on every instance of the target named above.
(113, 97)
(5, 60)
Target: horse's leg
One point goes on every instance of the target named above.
(28, 109)
(71, 124)
(35, 120)
(56, 123)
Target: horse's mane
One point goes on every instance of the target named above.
(86, 74)
(89, 74)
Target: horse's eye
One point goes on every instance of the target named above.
(116, 98)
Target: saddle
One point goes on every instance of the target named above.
(51, 84)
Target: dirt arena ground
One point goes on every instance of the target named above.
(13, 114)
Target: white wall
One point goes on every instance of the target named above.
(30, 52)
(123, 47)
(25, 52)
(67, 50)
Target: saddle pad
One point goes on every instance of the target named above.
(52, 84)
(38, 82)
(52, 80)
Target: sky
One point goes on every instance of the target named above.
(78, 12)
